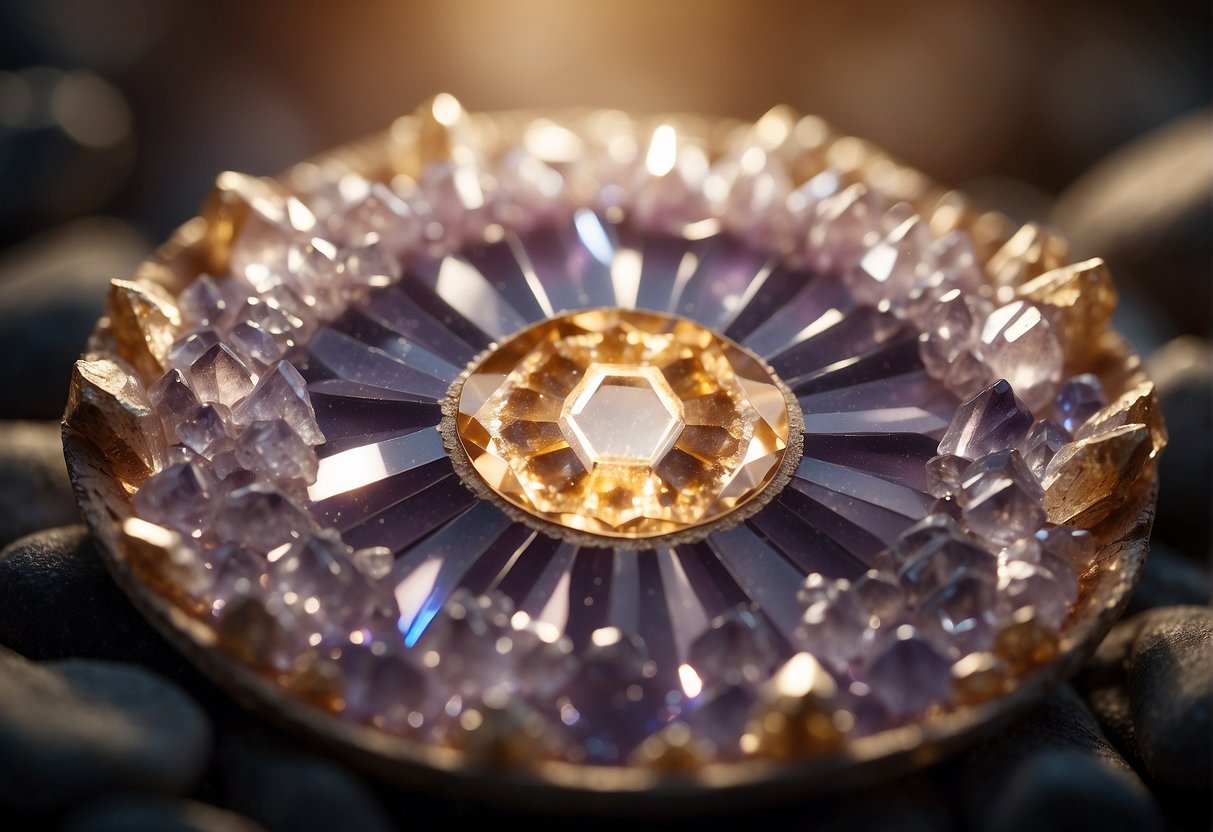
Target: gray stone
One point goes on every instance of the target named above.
(57, 600)
(78, 729)
(998, 779)
(35, 492)
(285, 790)
(153, 814)
(1170, 682)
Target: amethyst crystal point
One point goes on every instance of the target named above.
(262, 517)
(235, 573)
(205, 430)
(1041, 445)
(281, 394)
(1022, 584)
(1018, 344)
(182, 497)
(879, 596)
(832, 630)
(472, 645)
(274, 451)
(893, 267)
(1079, 398)
(737, 649)
(944, 475)
(958, 618)
(219, 376)
(384, 688)
(613, 701)
(1001, 498)
(993, 420)
(909, 675)
(174, 399)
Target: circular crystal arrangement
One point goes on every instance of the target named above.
(589, 441)
(622, 423)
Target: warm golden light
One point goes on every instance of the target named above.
(623, 424)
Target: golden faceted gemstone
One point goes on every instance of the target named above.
(626, 424)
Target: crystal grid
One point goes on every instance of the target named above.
(909, 548)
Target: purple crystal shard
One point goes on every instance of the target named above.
(909, 675)
(181, 497)
(993, 420)
(1079, 398)
(1001, 498)
(1041, 445)
(281, 393)
(219, 376)
(1018, 343)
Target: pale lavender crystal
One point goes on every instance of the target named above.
(832, 630)
(318, 566)
(1041, 445)
(927, 531)
(612, 702)
(846, 225)
(372, 265)
(1079, 398)
(908, 675)
(385, 689)
(174, 399)
(529, 192)
(282, 323)
(721, 716)
(235, 573)
(879, 596)
(1018, 343)
(188, 348)
(218, 375)
(753, 205)
(455, 192)
(968, 374)
(472, 645)
(737, 648)
(206, 429)
(255, 346)
(944, 475)
(1001, 498)
(274, 451)
(182, 497)
(262, 517)
(956, 262)
(1024, 584)
(892, 268)
(281, 394)
(993, 420)
(959, 618)
(273, 224)
(203, 303)
(942, 562)
(948, 507)
(950, 327)
(1065, 552)
(375, 214)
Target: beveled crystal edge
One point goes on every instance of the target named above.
(472, 480)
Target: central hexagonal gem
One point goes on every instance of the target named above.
(621, 423)
(621, 415)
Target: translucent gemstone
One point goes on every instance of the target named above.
(1019, 345)
(956, 261)
(386, 690)
(202, 302)
(374, 213)
(218, 375)
(722, 716)
(1041, 445)
(174, 398)
(629, 424)
(737, 649)
(950, 327)
(281, 394)
(909, 675)
(1001, 498)
(892, 268)
(187, 349)
(959, 618)
(372, 265)
(993, 420)
(879, 596)
(1023, 584)
(276, 452)
(1079, 398)
(256, 346)
(1075, 548)
(204, 430)
(182, 497)
(942, 562)
(944, 474)
(235, 573)
(847, 224)
(374, 561)
(832, 630)
(262, 517)
(317, 568)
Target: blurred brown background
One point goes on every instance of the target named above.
(1033, 92)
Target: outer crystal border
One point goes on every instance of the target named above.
(476, 484)
(104, 498)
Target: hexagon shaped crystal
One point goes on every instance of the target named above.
(622, 423)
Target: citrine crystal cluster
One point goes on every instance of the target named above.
(623, 423)
(587, 440)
